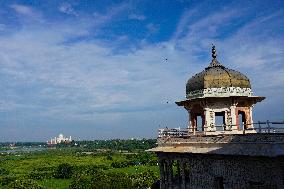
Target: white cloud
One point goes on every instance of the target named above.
(85, 76)
(27, 11)
(21, 9)
(139, 17)
(67, 9)
(153, 28)
(111, 13)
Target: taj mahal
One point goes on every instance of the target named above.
(59, 139)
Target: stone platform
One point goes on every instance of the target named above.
(221, 161)
(268, 145)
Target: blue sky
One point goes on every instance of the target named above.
(98, 69)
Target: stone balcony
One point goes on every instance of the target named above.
(252, 144)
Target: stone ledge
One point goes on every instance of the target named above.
(268, 145)
(227, 138)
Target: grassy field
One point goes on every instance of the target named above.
(40, 167)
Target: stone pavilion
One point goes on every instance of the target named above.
(221, 147)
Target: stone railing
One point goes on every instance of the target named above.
(258, 127)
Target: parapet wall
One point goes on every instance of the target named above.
(229, 138)
(267, 145)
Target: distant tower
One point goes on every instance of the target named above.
(219, 92)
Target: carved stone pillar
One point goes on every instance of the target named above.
(250, 121)
(193, 122)
(190, 126)
(233, 117)
(207, 119)
(228, 119)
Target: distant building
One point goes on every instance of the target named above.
(221, 147)
(59, 139)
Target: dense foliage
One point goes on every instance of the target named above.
(93, 164)
(118, 144)
(113, 180)
(64, 171)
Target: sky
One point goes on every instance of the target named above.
(113, 69)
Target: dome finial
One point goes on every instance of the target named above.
(214, 53)
(214, 62)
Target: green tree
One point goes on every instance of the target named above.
(100, 181)
(64, 171)
(120, 181)
(4, 171)
(144, 180)
(81, 181)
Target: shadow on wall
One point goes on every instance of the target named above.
(223, 161)
(247, 161)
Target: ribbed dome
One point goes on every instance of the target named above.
(216, 76)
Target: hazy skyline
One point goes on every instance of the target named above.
(106, 69)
